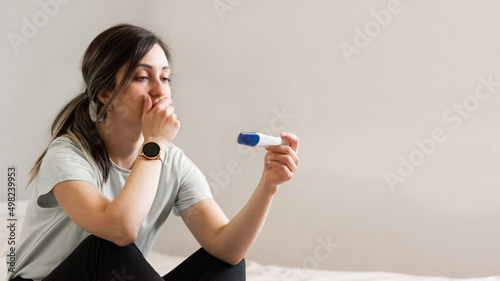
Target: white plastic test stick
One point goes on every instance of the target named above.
(258, 139)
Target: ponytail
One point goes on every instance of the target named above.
(74, 122)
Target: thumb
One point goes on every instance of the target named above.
(147, 105)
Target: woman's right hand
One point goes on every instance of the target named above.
(159, 121)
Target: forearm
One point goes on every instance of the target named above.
(130, 207)
(242, 230)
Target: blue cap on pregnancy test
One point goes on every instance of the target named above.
(259, 139)
(251, 139)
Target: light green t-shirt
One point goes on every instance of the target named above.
(48, 235)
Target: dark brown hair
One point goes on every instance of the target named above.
(121, 46)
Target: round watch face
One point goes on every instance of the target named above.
(151, 149)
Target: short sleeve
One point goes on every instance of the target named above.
(193, 185)
(63, 161)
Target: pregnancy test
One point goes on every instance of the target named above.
(258, 139)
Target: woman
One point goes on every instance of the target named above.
(111, 176)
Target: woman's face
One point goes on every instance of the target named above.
(151, 77)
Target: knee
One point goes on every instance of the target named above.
(239, 269)
(217, 269)
(103, 246)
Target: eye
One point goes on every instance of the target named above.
(141, 78)
(165, 79)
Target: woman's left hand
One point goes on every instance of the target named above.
(281, 161)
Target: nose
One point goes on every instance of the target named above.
(159, 90)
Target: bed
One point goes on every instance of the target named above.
(164, 263)
(258, 272)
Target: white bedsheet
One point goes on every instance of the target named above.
(257, 272)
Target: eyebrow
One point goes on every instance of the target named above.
(150, 67)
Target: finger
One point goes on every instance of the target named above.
(147, 105)
(174, 116)
(284, 172)
(285, 160)
(292, 139)
(285, 150)
(170, 111)
(163, 103)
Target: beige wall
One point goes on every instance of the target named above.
(374, 89)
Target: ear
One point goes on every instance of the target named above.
(103, 96)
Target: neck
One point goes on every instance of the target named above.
(122, 144)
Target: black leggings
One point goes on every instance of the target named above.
(97, 259)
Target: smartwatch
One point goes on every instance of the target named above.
(152, 151)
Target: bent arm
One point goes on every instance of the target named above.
(230, 240)
(119, 220)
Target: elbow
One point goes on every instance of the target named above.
(121, 229)
(125, 234)
(125, 238)
(235, 260)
